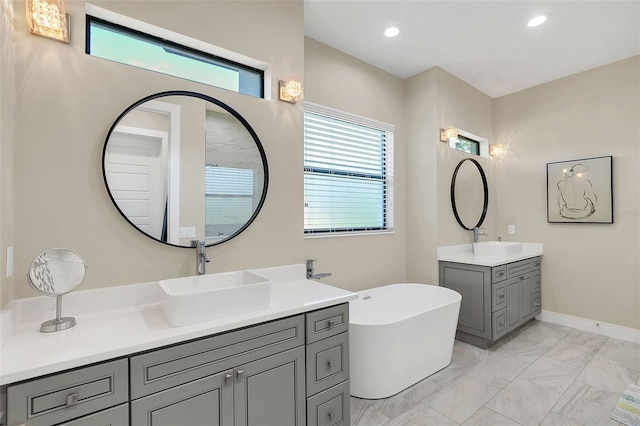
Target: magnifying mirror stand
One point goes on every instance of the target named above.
(59, 323)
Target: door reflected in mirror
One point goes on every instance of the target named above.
(182, 166)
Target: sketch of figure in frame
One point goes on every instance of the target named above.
(576, 197)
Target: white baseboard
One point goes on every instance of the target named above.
(593, 326)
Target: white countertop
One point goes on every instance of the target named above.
(464, 254)
(119, 321)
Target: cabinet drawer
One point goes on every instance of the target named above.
(65, 396)
(330, 408)
(499, 323)
(165, 368)
(327, 322)
(518, 268)
(537, 303)
(537, 263)
(327, 363)
(499, 273)
(498, 296)
(116, 416)
(537, 282)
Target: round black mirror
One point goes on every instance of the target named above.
(469, 194)
(182, 166)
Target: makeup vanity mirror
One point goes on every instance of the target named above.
(469, 194)
(56, 272)
(182, 166)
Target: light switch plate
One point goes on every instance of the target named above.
(9, 269)
(187, 232)
(511, 229)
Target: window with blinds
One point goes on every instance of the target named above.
(348, 172)
(228, 200)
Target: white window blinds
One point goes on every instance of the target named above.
(228, 199)
(348, 172)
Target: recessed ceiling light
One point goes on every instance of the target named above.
(392, 31)
(539, 20)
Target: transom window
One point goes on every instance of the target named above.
(470, 143)
(132, 47)
(348, 172)
(465, 144)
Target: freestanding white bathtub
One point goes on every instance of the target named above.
(400, 334)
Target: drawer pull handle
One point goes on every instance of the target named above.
(72, 399)
(499, 274)
(537, 305)
(330, 363)
(501, 296)
(522, 278)
(331, 415)
(331, 324)
(228, 377)
(239, 373)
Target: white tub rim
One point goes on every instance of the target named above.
(352, 322)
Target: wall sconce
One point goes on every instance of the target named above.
(497, 151)
(290, 90)
(48, 18)
(450, 133)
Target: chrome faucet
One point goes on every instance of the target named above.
(201, 256)
(311, 275)
(477, 233)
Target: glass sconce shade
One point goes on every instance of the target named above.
(48, 18)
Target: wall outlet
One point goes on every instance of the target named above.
(511, 229)
(9, 269)
(187, 232)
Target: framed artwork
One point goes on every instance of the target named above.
(580, 191)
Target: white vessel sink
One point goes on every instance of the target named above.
(191, 300)
(496, 248)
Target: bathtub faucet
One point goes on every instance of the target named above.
(477, 233)
(311, 275)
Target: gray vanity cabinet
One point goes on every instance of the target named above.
(292, 371)
(495, 300)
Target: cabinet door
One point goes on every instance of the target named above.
(271, 391)
(526, 301)
(513, 303)
(204, 402)
(474, 284)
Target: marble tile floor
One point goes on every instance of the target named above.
(545, 374)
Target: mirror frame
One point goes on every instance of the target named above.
(484, 187)
(222, 105)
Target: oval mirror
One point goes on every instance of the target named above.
(183, 166)
(469, 194)
(56, 272)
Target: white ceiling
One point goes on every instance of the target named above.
(485, 43)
